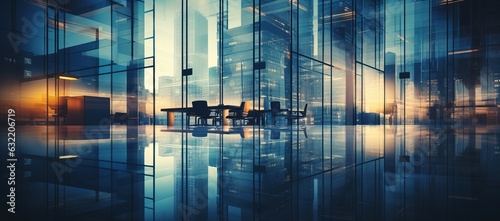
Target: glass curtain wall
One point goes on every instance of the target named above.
(447, 48)
(295, 53)
(78, 54)
(327, 55)
(81, 76)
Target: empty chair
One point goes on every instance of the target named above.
(239, 114)
(201, 110)
(190, 114)
(276, 111)
(253, 117)
(297, 115)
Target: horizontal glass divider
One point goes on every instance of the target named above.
(374, 68)
(311, 58)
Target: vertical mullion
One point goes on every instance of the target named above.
(290, 73)
(322, 103)
(254, 86)
(260, 95)
(154, 106)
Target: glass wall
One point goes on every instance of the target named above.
(323, 55)
(103, 94)
(71, 71)
(99, 49)
(295, 53)
(447, 47)
(439, 73)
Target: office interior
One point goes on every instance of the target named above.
(315, 109)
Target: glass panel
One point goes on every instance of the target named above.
(168, 72)
(373, 96)
(308, 28)
(338, 97)
(310, 90)
(238, 78)
(327, 95)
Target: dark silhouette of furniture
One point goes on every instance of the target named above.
(367, 118)
(60, 106)
(297, 115)
(276, 111)
(254, 117)
(239, 114)
(87, 110)
(190, 114)
(201, 110)
(220, 110)
(120, 117)
(200, 132)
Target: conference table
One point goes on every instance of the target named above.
(257, 116)
(223, 110)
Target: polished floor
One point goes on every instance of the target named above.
(308, 173)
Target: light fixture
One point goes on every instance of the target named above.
(463, 51)
(57, 76)
(402, 38)
(68, 77)
(447, 2)
(65, 157)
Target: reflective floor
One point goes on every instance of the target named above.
(124, 172)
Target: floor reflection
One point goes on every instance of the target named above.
(258, 173)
